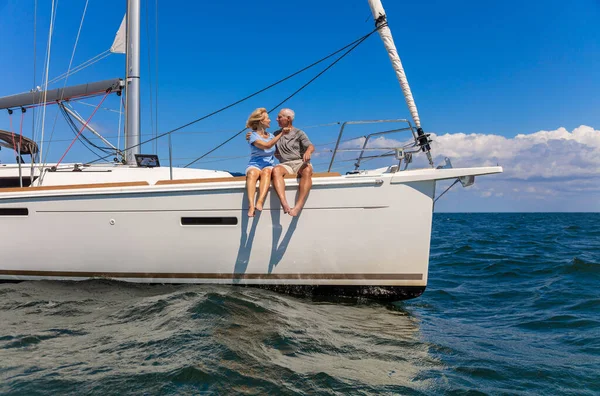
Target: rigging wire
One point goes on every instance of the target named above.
(119, 130)
(152, 126)
(48, 53)
(82, 128)
(353, 44)
(212, 133)
(102, 108)
(290, 96)
(156, 69)
(75, 131)
(34, 60)
(81, 66)
(67, 78)
(69, 119)
(446, 190)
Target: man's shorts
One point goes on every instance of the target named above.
(292, 167)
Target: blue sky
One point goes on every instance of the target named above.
(477, 70)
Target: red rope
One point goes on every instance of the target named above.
(82, 128)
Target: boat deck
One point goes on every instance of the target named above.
(145, 183)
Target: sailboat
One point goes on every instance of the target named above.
(362, 234)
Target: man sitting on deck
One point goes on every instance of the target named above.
(293, 151)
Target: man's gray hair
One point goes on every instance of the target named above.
(289, 113)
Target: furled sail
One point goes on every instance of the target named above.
(388, 42)
(53, 95)
(118, 46)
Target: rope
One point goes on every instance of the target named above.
(34, 60)
(360, 41)
(156, 68)
(119, 130)
(67, 76)
(152, 126)
(75, 131)
(102, 108)
(322, 125)
(82, 138)
(82, 128)
(446, 190)
(49, 48)
(81, 66)
(75, 45)
(341, 141)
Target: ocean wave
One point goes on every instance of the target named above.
(511, 306)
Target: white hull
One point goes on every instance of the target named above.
(355, 231)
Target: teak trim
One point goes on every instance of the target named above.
(74, 186)
(145, 183)
(235, 179)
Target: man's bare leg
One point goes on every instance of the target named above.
(279, 184)
(305, 185)
(263, 187)
(251, 178)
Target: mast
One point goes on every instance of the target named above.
(388, 41)
(132, 107)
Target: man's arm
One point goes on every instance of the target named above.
(308, 153)
(305, 141)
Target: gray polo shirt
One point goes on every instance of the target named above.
(292, 145)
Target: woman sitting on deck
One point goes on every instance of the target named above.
(262, 148)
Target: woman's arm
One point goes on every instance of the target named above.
(267, 145)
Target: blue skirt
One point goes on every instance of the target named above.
(261, 163)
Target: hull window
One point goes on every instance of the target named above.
(14, 211)
(9, 182)
(209, 221)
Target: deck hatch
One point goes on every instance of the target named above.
(209, 221)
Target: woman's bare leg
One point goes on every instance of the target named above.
(251, 178)
(263, 188)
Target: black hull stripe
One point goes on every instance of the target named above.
(160, 275)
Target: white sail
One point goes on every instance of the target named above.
(118, 46)
(388, 41)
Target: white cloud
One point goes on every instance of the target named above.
(543, 155)
(553, 168)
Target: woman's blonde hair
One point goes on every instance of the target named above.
(255, 118)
